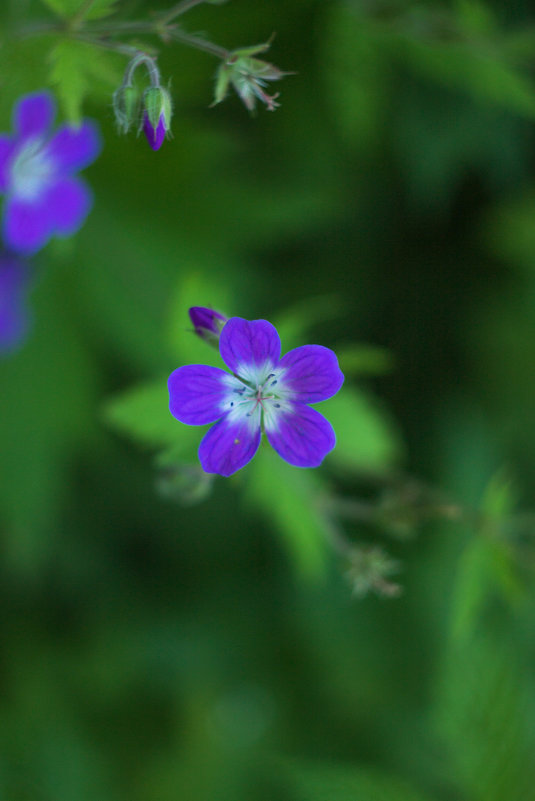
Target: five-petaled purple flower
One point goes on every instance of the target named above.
(13, 311)
(37, 169)
(264, 391)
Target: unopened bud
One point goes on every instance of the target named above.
(157, 112)
(126, 102)
(208, 324)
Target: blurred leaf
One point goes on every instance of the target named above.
(287, 497)
(366, 438)
(48, 392)
(509, 231)
(294, 323)
(484, 718)
(79, 69)
(143, 415)
(91, 10)
(500, 497)
(355, 71)
(362, 360)
(337, 782)
(480, 71)
(476, 17)
(487, 567)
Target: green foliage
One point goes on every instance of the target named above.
(484, 705)
(290, 499)
(488, 567)
(366, 438)
(78, 70)
(146, 606)
(85, 9)
(318, 782)
(50, 392)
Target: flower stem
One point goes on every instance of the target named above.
(150, 66)
(198, 43)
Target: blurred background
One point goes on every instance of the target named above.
(168, 637)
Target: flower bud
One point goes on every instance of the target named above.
(126, 107)
(157, 112)
(208, 324)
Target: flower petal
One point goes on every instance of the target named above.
(27, 224)
(6, 150)
(301, 435)
(155, 136)
(197, 393)
(74, 148)
(34, 114)
(69, 201)
(230, 444)
(311, 373)
(250, 348)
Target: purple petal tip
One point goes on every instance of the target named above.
(154, 136)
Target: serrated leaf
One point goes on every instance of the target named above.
(78, 70)
(88, 10)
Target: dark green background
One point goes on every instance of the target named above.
(153, 650)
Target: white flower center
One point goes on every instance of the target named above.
(256, 399)
(31, 170)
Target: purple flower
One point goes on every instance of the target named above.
(207, 323)
(13, 311)
(37, 169)
(264, 391)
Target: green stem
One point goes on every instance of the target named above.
(198, 43)
(99, 34)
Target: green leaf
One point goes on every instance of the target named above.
(88, 9)
(143, 415)
(294, 322)
(332, 782)
(484, 716)
(287, 496)
(482, 72)
(365, 435)
(79, 70)
(39, 431)
(360, 360)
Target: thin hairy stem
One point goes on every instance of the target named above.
(198, 43)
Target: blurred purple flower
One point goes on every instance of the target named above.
(14, 316)
(264, 391)
(37, 169)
